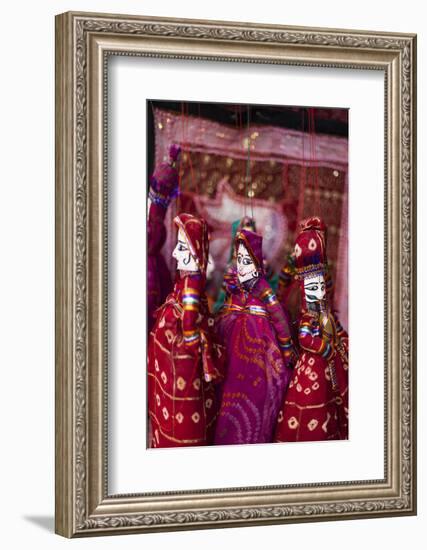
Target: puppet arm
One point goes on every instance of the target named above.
(191, 297)
(278, 319)
(312, 339)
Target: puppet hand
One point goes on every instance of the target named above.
(163, 191)
(290, 358)
(164, 183)
(326, 325)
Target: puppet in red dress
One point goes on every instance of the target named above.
(316, 403)
(183, 358)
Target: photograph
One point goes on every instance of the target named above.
(247, 279)
(234, 203)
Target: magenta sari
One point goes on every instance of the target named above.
(260, 354)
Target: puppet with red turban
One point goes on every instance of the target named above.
(184, 359)
(316, 404)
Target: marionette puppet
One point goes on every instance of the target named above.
(315, 407)
(163, 188)
(183, 357)
(260, 353)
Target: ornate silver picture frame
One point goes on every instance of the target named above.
(84, 43)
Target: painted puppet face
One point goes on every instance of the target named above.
(246, 269)
(315, 288)
(182, 254)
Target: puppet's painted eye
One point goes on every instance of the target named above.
(312, 288)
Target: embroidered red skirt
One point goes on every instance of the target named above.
(315, 408)
(181, 405)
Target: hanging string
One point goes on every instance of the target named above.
(313, 210)
(183, 152)
(314, 162)
(198, 176)
(190, 162)
(244, 166)
(239, 128)
(153, 112)
(248, 163)
(303, 175)
(285, 176)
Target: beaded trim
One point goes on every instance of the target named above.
(310, 270)
(253, 310)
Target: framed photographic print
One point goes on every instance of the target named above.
(235, 274)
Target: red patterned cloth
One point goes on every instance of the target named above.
(184, 358)
(316, 403)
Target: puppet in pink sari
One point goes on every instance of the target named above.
(316, 404)
(183, 357)
(163, 187)
(260, 353)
